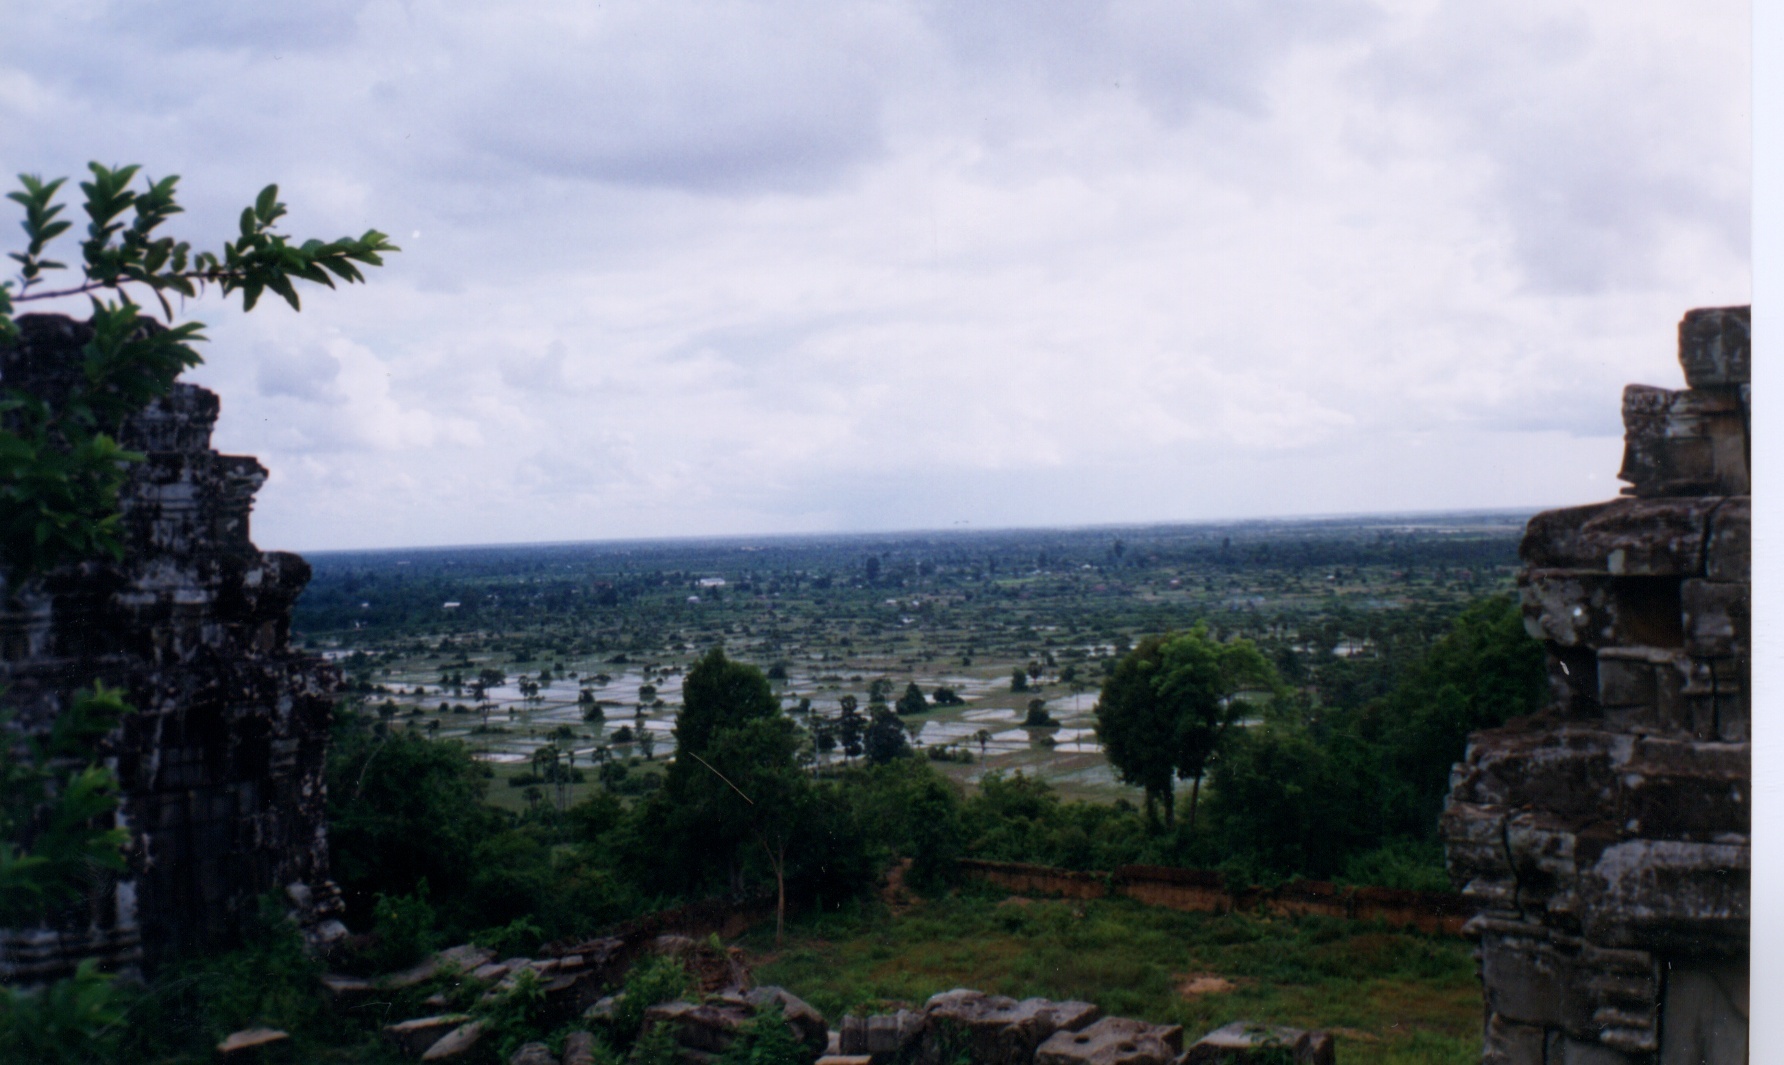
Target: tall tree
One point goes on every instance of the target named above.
(719, 693)
(1169, 704)
(850, 725)
(885, 739)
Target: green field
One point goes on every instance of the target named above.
(1391, 996)
(1339, 606)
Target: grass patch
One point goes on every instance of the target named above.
(1401, 996)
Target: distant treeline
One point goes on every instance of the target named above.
(387, 592)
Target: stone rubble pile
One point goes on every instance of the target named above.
(580, 984)
(1607, 838)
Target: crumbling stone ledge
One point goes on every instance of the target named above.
(1606, 840)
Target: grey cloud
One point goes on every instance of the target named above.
(1000, 290)
(1178, 56)
(1588, 161)
(309, 374)
(740, 105)
(268, 29)
(543, 372)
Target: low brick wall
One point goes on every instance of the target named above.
(1204, 891)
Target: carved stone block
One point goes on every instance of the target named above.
(1113, 1041)
(1729, 548)
(1715, 347)
(1683, 443)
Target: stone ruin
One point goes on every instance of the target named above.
(1606, 838)
(578, 981)
(221, 764)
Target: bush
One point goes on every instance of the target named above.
(271, 981)
(656, 1047)
(512, 1017)
(654, 980)
(517, 938)
(1411, 865)
(70, 1022)
(765, 1039)
(402, 808)
(402, 929)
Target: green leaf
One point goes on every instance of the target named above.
(282, 285)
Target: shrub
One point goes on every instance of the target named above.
(765, 1039)
(70, 1022)
(654, 980)
(402, 929)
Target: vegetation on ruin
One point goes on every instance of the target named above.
(61, 469)
(60, 463)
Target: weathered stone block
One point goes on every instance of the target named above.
(808, 1024)
(1568, 773)
(1472, 836)
(708, 1027)
(711, 1026)
(1706, 1013)
(993, 1029)
(1241, 1042)
(885, 1036)
(532, 1054)
(458, 1043)
(1674, 789)
(1715, 347)
(1626, 675)
(1510, 1043)
(1683, 443)
(1734, 717)
(1540, 850)
(1582, 608)
(1670, 895)
(1531, 982)
(1729, 546)
(255, 1046)
(1113, 1041)
(413, 1038)
(579, 1049)
(1572, 608)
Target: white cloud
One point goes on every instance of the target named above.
(793, 266)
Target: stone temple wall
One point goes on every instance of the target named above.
(221, 764)
(1606, 838)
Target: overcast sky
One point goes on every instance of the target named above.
(704, 268)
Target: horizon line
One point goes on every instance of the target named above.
(955, 530)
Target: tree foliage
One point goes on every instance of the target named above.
(718, 693)
(1318, 791)
(53, 803)
(403, 809)
(884, 739)
(1170, 703)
